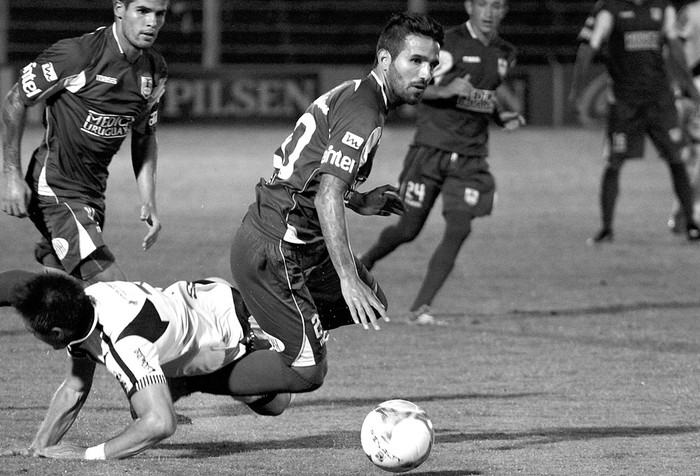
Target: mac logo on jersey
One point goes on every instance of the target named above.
(107, 125)
(49, 72)
(146, 86)
(353, 140)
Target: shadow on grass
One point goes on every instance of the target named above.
(417, 399)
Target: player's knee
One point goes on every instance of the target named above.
(271, 405)
(100, 266)
(312, 377)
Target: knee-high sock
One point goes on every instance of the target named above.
(391, 238)
(608, 196)
(684, 191)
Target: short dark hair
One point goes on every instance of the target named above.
(53, 300)
(403, 24)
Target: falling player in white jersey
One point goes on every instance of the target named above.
(159, 344)
(689, 113)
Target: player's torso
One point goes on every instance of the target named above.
(634, 56)
(338, 134)
(91, 106)
(461, 124)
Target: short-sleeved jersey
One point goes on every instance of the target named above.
(94, 97)
(338, 134)
(634, 56)
(460, 124)
(689, 31)
(143, 334)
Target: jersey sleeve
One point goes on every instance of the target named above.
(147, 123)
(134, 362)
(52, 71)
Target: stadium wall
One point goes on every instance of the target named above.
(266, 93)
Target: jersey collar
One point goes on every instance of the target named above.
(119, 45)
(83, 339)
(382, 87)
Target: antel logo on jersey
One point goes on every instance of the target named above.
(28, 84)
(336, 157)
(49, 72)
(107, 125)
(353, 140)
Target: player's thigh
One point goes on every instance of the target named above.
(74, 232)
(469, 189)
(272, 283)
(421, 179)
(625, 133)
(324, 284)
(664, 129)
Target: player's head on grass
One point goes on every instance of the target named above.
(55, 308)
(407, 54)
(138, 22)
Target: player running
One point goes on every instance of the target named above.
(97, 89)
(159, 344)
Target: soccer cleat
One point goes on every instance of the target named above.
(605, 235)
(423, 316)
(692, 232)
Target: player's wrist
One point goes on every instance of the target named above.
(96, 452)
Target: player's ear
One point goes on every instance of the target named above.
(119, 9)
(384, 59)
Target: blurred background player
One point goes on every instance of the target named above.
(450, 146)
(291, 257)
(688, 111)
(159, 344)
(642, 103)
(97, 88)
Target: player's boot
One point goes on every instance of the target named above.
(692, 232)
(605, 235)
(423, 316)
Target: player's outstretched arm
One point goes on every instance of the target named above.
(65, 405)
(144, 157)
(156, 421)
(361, 300)
(15, 193)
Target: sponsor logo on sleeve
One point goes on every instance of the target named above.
(107, 125)
(337, 159)
(153, 119)
(49, 72)
(353, 140)
(106, 79)
(471, 59)
(28, 84)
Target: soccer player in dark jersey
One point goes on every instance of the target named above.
(160, 344)
(450, 146)
(291, 258)
(97, 89)
(634, 34)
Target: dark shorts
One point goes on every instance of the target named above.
(466, 184)
(292, 291)
(72, 237)
(630, 122)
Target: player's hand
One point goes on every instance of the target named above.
(15, 196)
(150, 217)
(511, 120)
(362, 302)
(381, 201)
(62, 451)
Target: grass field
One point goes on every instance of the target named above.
(559, 358)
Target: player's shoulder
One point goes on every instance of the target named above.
(507, 48)
(158, 64)
(79, 50)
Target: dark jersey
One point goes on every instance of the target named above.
(338, 134)
(94, 97)
(460, 124)
(634, 56)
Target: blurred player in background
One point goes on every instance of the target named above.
(634, 34)
(688, 111)
(291, 257)
(450, 146)
(97, 89)
(159, 344)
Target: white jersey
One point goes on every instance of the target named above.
(143, 334)
(689, 31)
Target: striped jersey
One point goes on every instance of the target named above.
(94, 97)
(143, 334)
(338, 134)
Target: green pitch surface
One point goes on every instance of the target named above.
(559, 358)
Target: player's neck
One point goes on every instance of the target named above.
(130, 52)
(485, 38)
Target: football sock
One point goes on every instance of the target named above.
(391, 238)
(442, 261)
(8, 281)
(608, 195)
(684, 191)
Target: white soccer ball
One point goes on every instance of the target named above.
(397, 436)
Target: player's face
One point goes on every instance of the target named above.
(410, 72)
(141, 21)
(486, 15)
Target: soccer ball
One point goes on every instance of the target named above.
(397, 436)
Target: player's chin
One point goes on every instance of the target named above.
(414, 95)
